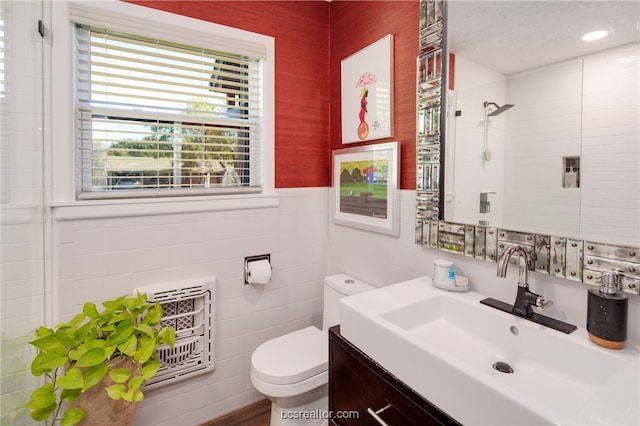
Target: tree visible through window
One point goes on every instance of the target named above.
(154, 115)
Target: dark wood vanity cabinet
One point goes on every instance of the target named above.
(360, 389)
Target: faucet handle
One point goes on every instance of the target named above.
(542, 303)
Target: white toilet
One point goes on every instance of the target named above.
(292, 370)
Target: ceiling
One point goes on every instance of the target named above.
(517, 35)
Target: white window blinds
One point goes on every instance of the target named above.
(156, 118)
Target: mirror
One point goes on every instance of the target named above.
(542, 128)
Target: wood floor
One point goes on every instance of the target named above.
(256, 414)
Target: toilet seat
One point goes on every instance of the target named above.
(290, 390)
(292, 358)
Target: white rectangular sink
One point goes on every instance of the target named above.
(444, 346)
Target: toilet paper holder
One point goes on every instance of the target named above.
(248, 259)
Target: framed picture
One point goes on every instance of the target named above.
(367, 92)
(365, 187)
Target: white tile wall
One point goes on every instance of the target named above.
(583, 108)
(543, 127)
(305, 246)
(611, 147)
(101, 259)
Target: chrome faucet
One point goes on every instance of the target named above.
(525, 299)
(503, 262)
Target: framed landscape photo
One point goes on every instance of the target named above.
(365, 187)
(367, 92)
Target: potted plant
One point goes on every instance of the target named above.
(96, 365)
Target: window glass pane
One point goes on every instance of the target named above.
(152, 115)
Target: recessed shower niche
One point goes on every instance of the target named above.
(571, 172)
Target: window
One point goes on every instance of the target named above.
(147, 105)
(154, 117)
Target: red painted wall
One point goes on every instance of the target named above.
(312, 37)
(355, 25)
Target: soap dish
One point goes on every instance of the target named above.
(456, 288)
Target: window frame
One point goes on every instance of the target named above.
(126, 17)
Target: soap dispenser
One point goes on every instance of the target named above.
(607, 312)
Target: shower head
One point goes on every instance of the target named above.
(499, 109)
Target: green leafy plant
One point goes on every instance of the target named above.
(75, 356)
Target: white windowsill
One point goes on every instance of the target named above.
(101, 209)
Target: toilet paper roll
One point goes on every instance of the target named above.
(259, 272)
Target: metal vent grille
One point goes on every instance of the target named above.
(187, 307)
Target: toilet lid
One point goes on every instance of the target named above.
(291, 358)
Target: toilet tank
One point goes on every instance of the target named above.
(335, 288)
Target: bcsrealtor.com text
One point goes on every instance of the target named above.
(318, 414)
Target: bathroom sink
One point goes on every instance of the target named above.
(445, 345)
